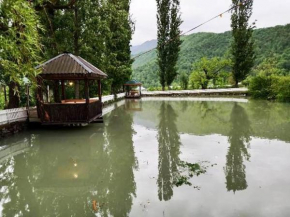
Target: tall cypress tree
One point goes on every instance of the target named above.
(168, 46)
(242, 45)
(174, 44)
(163, 23)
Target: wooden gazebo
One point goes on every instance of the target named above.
(133, 89)
(61, 70)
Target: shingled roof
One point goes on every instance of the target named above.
(67, 64)
(133, 83)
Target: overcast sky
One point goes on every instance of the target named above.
(193, 12)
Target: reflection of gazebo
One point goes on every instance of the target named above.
(133, 105)
(132, 90)
(63, 68)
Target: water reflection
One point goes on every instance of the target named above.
(66, 170)
(239, 137)
(122, 161)
(133, 104)
(61, 172)
(169, 149)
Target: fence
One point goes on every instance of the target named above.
(13, 115)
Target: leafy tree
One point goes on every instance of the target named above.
(206, 70)
(269, 66)
(19, 45)
(118, 43)
(242, 45)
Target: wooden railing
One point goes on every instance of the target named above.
(75, 111)
(95, 110)
(63, 113)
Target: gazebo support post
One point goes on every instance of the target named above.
(100, 90)
(87, 95)
(87, 91)
(62, 90)
(39, 97)
(140, 90)
(56, 91)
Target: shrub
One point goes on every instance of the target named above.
(198, 80)
(270, 87)
(281, 88)
(260, 87)
(183, 77)
(154, 88)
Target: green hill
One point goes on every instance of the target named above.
(268, 41)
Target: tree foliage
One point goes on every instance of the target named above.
(118, 43)
(207, 70)
(174, 42)
(33, 31)
(242, 47)
(168, 45)
(19, 45)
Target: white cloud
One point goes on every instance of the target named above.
(266, 12)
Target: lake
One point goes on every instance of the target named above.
(154, 157)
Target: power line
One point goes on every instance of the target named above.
(219, 15)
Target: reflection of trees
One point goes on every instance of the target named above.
(239, 135)
(121, 184)
(65, 170)
(169, 149)
(15, 185)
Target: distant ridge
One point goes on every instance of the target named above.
(143, 47)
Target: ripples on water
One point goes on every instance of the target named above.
(228, 158)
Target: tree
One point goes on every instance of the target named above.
(19, 45)
(206, 70)
(269, 66)
(242, 47)
(168, 45)
(163, 22)
(174, 43)
(118, 50)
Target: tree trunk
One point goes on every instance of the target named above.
(163, 88)
(5, 95)
(14, 99)
(76, 45)
(236, 84)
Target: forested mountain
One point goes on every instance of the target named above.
(268, 42)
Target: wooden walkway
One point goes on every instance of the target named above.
(208, 92)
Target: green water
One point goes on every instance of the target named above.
(227, 159)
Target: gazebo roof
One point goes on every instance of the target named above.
(69, 66)
(133, 83)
